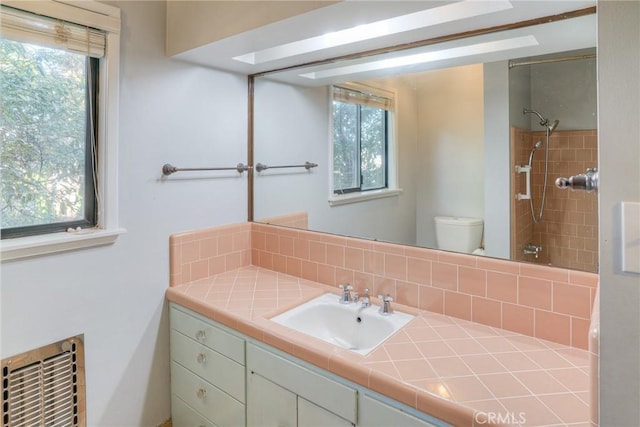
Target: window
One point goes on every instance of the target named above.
(58, 126)
(361, 141)
(47, 135)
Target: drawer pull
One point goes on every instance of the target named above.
(202, 358)
(202, 393)
(201, 335)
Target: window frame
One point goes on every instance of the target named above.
(89, 213)
(391, 170)
(359, 155)
(106, 18)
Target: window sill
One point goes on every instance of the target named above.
(25, 247)
(344, 199)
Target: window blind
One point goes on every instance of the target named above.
(30, 28)
(362, 98)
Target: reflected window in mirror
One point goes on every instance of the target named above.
(361, 139)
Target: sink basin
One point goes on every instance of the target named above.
(344, 325)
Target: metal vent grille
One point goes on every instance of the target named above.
(45, 386)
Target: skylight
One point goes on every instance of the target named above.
(421, 58)
(425, 18)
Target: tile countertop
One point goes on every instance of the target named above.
(459, 371)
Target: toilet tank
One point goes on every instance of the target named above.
(458, 234)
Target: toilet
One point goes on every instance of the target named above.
(458, 234)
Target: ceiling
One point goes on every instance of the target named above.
(279, 41)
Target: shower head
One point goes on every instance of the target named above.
(553, 126)
(535, 148)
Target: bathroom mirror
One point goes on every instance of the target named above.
(460, 144)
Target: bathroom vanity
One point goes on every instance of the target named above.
(212, 366)
(231, 365)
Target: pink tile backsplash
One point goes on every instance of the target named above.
(198, 254)
(554, 304)
(544, 302)
(295, 220)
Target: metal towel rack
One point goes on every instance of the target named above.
(307, 165)
(168, 169)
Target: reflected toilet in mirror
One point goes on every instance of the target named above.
(457, 234)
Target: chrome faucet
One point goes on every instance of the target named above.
(385, 305)
(345, 298)
(364, 299)
(532, 249)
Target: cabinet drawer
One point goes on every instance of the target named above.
(183, 416)
(214, 404)
(219, 370)
(324, 392)
(208, 335)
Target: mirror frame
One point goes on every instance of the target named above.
(251, 78)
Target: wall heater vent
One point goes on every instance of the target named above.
(45, 386)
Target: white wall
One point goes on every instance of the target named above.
(169, 112)
(497, 160)
(291, 127)
(619, 150)
(519, 95)
(566, 91)
(451, 146)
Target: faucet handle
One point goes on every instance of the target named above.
(345, 298)
(387, 298)
(385, 307)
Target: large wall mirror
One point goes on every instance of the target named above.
(440, 144)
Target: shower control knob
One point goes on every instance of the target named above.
(587, 181)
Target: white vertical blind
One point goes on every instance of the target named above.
(31, 28)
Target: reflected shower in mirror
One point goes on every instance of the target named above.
(456, 139)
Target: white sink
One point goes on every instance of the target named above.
(344, 325)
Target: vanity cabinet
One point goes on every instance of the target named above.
(221, 378)
(207, 372)
(375, 413)
(281, 392)
(310, 415)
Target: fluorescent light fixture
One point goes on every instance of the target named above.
(413, 21)
(421, 58)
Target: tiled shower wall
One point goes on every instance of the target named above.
(521, 221)
(549, 303)
(568, 232)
